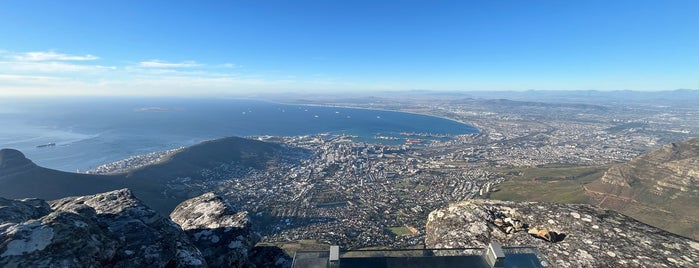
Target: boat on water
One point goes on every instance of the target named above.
(413, 141)
(46, 145)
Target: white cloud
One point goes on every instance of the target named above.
(229, 65)
(165, 64)
(52, 56)
(51, 73)
(47, 62)
(51, 67)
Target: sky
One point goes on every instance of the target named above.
(230, 47)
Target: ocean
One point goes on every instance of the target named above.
(88, 132)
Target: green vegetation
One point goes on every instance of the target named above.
(626, 126)
(399, 231)
(291, 247)
(422, 187)
(548, 184)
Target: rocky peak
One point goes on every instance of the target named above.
(208, 211)
(569, 235)
(223, 236)
(12, 160)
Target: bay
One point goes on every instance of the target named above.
(88, 132)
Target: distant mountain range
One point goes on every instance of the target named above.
(21, 178)
(660, 188)
(674, 97)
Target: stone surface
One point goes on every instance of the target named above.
(223, 236)
(587, 236)
(16, 211)
(112, 229)
(269, 256)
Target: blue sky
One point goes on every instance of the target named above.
(240, 47)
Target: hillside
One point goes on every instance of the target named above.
(21, 178)
(209, 154)
(660, 188)
(161, 185)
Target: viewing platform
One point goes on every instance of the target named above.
(494, 256)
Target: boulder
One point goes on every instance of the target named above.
(224, 237)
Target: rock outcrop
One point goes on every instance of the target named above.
(115, 229)
(112, 229)
(223, 236)
(578, 235)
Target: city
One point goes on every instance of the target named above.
(335, 190)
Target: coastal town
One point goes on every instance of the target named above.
(358, 194)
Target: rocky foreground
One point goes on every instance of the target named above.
(115, 229)
(569, 235)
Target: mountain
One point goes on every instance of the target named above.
(660, 188)
(570, 235)
(21, 178)
(158, 185)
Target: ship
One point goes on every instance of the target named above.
(46, 145)
(413, 141)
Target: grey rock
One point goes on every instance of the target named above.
(112, 229)
(586, 236)
(270, 257)
(17, 211)
(223, 236)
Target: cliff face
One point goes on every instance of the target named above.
(115, 229)
(569, 235)
(660, 188)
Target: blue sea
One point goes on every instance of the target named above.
(92, 131)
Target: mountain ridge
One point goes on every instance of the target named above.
(21, 178)
(660, 187)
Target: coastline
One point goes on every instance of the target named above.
(62, 156)
(478, 130)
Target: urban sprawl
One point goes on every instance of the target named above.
(336, 190)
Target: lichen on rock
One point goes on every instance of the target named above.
(112, 229)
(223, 236)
